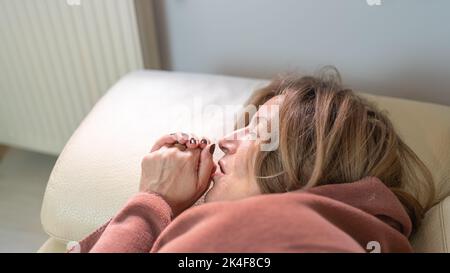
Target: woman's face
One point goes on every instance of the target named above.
(234, 177)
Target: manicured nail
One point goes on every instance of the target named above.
(212, 148)
(193, 141)
(184, 135)
(203, 141)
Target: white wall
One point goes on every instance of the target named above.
(401, 48)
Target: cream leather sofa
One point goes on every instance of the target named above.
(99, 167)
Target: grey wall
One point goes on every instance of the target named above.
(401, 48)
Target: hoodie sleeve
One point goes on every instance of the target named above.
(134, 229)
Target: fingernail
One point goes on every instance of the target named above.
(192, 141)
(184, 135)
(203, 141)
(212, 148)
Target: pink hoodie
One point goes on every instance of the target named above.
(350, 217)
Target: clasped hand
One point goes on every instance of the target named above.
(179, 169)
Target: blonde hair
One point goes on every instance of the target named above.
(329, 135)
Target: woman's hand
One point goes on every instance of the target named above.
(180, 176)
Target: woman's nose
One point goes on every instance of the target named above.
(227, 146)
(230, 143)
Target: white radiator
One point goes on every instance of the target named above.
(57, 58)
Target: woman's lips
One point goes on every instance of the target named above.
(218, 173)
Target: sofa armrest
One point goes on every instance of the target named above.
(434, 234)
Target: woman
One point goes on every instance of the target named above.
(336, 183)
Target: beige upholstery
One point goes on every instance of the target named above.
(434, 234)
(99, 168)
(53, 245)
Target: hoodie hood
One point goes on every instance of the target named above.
(372, 196)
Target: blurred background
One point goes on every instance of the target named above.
(58, 57)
